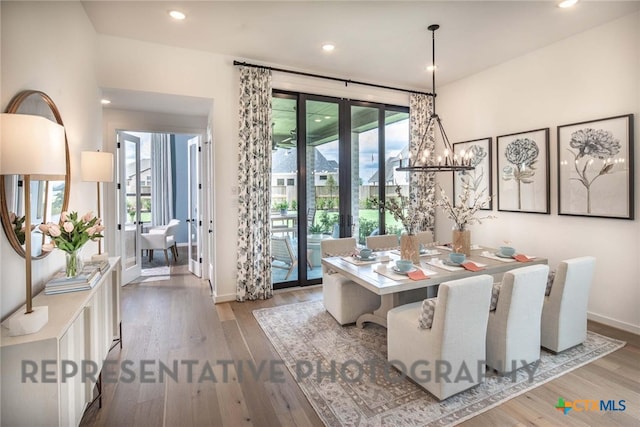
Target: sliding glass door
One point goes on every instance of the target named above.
(337, 148)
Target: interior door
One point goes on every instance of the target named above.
(195, 219)
(208, 163)
(129, 222)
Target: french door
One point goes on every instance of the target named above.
(344, 153)
(129, 220)
(195, 219)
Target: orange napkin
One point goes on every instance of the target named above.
(471, 266)
(417, 275)
(522, 258)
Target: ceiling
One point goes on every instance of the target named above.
(384, 42)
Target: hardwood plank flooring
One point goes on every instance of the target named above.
(176, 320)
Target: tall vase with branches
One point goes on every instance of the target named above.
(463, 214)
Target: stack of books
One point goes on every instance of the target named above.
(87, 279)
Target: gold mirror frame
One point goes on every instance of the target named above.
(13, 108)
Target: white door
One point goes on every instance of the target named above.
(129, 222)
(195, 219)
(207, 200)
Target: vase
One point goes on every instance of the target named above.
(410, 247)
(461, 241)
(73, 265)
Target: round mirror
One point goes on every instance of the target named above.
(49, 198)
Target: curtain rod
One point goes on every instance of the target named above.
(337, 79)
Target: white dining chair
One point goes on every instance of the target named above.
(382, 242)
(513, 331)
(456, 337)
(564, 314)
(424, 237)
(344, 299)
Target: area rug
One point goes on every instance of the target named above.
(342, 372)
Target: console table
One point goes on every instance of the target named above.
(82, 326)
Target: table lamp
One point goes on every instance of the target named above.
(96, 166)
(30, 145)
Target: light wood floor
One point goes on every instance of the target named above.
(176, 320)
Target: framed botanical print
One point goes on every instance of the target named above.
(523, 171)
(595, 168)
(478, 180)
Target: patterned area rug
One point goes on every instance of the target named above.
(363, 391)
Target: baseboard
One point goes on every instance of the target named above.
(217, 299)
(613, 323)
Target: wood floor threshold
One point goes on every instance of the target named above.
(177, 320)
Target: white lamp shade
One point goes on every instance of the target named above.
(31, 145)
(96, 166)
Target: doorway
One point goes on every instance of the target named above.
(159, 184)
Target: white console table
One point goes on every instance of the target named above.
(82, 326)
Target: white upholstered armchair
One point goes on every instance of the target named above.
(513, 332)
(161, 238)
(457, 336)
(564, 314)
(342, 298)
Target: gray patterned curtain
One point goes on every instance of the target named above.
(254, 186)
(161, 180)
(422, 193)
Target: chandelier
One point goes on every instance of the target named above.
(448, 161)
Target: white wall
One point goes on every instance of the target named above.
(50, 47)
(592, 75)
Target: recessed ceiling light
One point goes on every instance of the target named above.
(327, 117)
(430, 68)
(317, 120)
(176, 14)
(567, 3)
(328, 47)
(105, 101)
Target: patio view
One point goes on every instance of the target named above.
(363, 156)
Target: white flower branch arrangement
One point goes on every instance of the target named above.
(464, 213)
(404, 211)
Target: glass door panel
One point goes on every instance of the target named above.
(194, 220)
(365, 168)
(129, 211)
(284, 192)
(323, 177)
(396, 138)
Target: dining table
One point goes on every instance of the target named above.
(380, 276)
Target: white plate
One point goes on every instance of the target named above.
(451, 263)
(405, 273)
(371, 258)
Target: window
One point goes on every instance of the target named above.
(291, 182)
(280, 181)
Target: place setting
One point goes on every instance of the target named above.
(456, 262)
(403, 269)
(507, 254)
(366, 256)
(424, 250)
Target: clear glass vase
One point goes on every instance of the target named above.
(410, 247)
(461, 241)
(73, 265)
